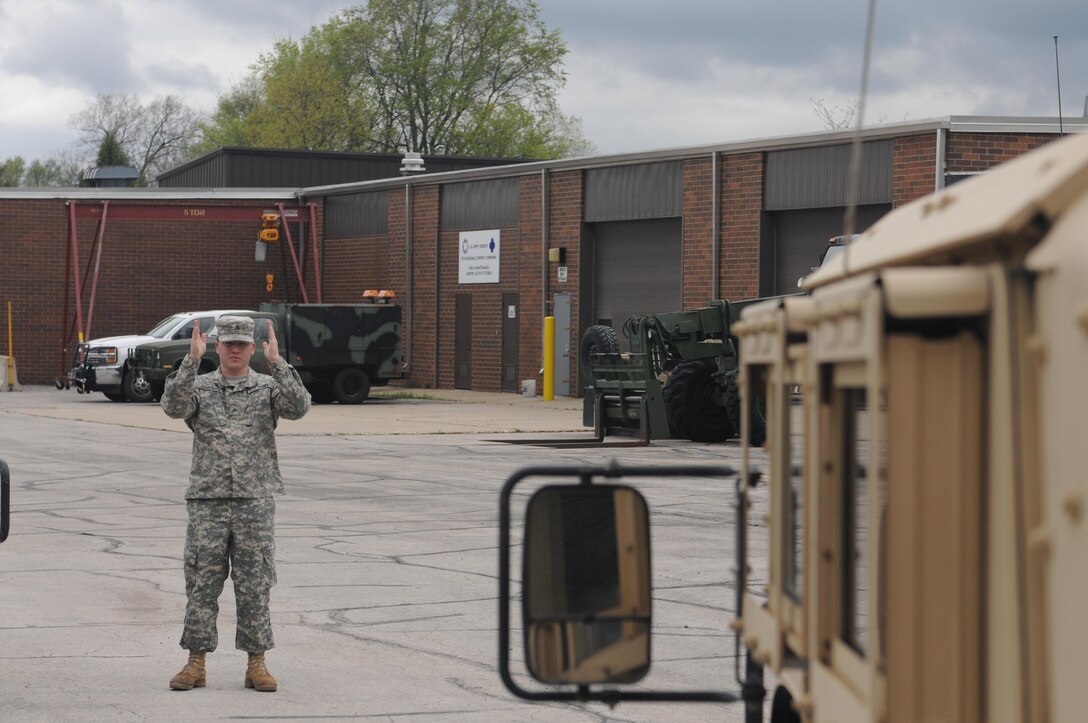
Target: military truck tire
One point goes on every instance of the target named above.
(782, 710)
(137, 388)
(351, 386)
(598, 339)
(757, 429)
(691, 406)
(114, 397)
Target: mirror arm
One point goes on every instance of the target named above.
(5, 500)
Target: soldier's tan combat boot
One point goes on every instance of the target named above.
(192, 675)
(257, 675)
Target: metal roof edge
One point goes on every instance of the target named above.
(1016, 124)
(326, 155)
(638, 157)
(977, 124)
(152, 194)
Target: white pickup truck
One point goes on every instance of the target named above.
(101, 365)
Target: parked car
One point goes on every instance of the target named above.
(102, 365)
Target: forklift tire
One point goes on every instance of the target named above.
(757, 417)
(351, 386)
(598, 339)
(692, 403)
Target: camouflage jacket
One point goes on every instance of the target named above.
(234, 443)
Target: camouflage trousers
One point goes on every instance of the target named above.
(235, 536)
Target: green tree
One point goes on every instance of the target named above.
(11, 172)
(293, 99)
(63, 170)
(110, 152)
(443, 77)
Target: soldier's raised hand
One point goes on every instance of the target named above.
(272, 346)
(199, 343)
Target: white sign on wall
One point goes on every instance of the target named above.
(478, 261)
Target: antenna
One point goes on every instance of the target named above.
(1058, 72)
(855, 154)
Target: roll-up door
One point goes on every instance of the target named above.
(800, 236)
(636, 269)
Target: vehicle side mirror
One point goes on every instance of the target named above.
(586, 584)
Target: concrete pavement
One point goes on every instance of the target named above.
(386, 557)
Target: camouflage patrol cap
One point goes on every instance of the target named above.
(235, 328)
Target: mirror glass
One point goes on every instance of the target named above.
(586, 573)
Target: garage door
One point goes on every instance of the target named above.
(636, 270)
(800, 237)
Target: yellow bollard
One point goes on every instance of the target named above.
(549, 358)
(11, 354)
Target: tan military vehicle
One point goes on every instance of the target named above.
(927, 499)
(927, 507)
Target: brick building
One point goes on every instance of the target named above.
(630, 233)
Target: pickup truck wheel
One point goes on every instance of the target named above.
(351, 386)
(137, 388)
(692, 403)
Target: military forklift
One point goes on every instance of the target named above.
(679, 379)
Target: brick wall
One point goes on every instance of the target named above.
(742, 203)
(973, 152)
(351, 266)
(565, 206)
(423, 318)
(698, 251)
(148, 269)
(531, 269)
(914, 161)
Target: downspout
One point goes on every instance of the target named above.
(544, 249)
(942, 142)
(716, 229)
(438, 297)
(409, 324)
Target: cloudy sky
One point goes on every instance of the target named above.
(642, 74)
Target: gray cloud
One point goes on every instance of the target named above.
(181, 76)
(967, 41)
(84, 45)
(642, 73)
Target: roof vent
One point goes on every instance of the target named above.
(110, 177)
(412, 163)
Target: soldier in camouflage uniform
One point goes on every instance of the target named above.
(233, 413)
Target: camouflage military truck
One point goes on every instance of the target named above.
(339, 350)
